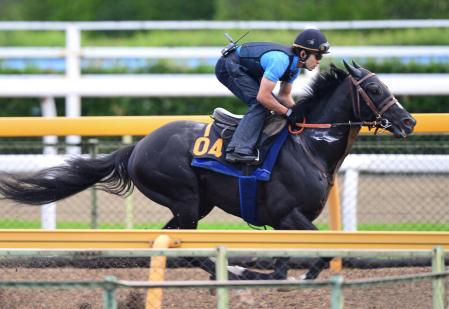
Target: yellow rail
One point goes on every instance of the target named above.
(142, 239)
(88, 126)
(142, 125)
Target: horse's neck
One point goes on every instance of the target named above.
(330, 146)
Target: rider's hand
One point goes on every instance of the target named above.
(292, 118)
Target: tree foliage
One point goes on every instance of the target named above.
(310, 10)
(89, 10)
(221, 9)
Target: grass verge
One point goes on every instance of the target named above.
(21, 224)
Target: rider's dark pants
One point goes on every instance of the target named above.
(235, 77)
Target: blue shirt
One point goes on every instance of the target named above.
(275, 63)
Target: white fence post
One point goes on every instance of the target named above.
(48, 108)
(48, 211)
(73, 73)
(349, 204)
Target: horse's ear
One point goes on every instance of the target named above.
(356, 65)
(355, 72)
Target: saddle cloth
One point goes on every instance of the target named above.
(208, 152)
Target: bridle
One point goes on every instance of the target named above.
(379, 123)
(384, 105)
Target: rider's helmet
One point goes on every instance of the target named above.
(312, 40)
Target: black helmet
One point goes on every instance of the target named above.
(312, 40)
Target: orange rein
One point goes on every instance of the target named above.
(302, 125)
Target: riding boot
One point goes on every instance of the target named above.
(242, 147)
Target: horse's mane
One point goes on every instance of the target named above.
(322, 85)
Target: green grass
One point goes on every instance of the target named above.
(20, 224)
(404, 227)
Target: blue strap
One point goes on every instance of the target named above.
(248, 198)
(216, 166)
(264, 173)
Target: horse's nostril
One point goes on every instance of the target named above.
(408, 122)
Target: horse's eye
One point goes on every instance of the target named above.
(374, 89)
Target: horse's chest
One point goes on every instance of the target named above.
(305, 189)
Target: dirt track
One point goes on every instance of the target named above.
(403, 295)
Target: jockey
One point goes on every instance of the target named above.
(251, 72)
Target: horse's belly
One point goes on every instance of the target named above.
(220, 190)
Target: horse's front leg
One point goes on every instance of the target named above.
(295, 220)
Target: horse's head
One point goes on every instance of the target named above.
(378, 102)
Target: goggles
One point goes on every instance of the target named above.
(324, 48)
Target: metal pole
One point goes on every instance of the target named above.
(221, 266)
(438, 284)
(93, 150)
(109, 301)
(337, 299)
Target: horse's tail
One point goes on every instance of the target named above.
(55, 183)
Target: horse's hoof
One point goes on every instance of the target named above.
(288, 289)
(245, 297)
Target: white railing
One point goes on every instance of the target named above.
(73, 85)
(232, 24)
(176, 85)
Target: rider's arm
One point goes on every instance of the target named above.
(266, 98)
(285, 94)
(275, 63)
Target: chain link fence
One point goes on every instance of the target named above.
(412, 197)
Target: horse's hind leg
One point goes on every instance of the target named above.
(171, 225)
(207, 264)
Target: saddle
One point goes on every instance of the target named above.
(228, 122)
(208, 153)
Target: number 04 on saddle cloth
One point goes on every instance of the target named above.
(208, 152)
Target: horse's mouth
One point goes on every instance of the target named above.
(400, 126)
(401, 131)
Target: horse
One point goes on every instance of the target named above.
(336, 105)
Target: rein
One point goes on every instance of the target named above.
(378, 123)
(382, 123)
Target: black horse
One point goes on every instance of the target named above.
(159, 165)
